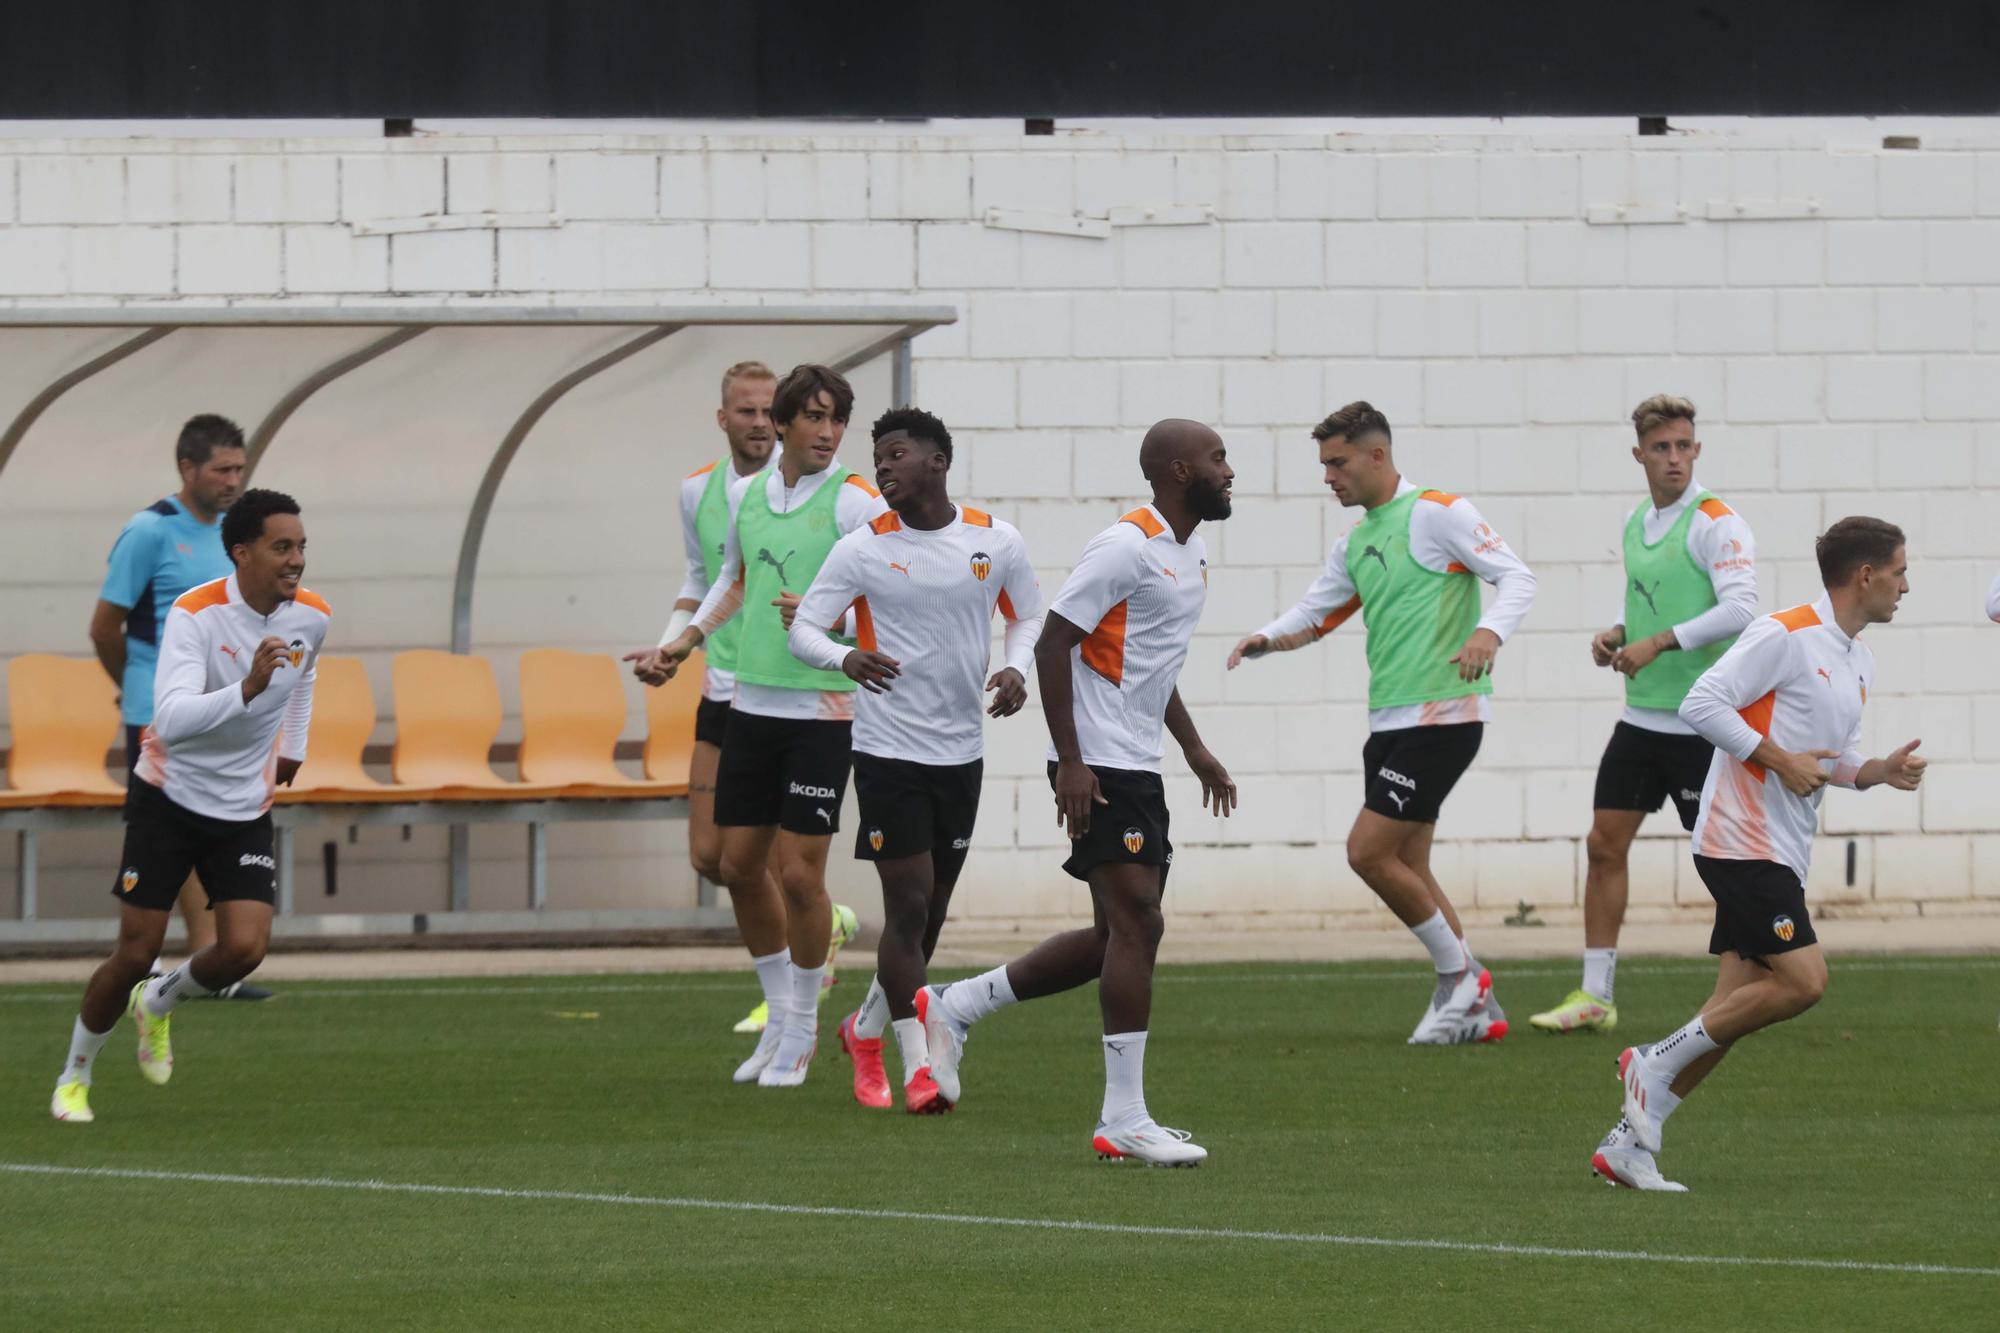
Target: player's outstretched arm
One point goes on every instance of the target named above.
(1218, 789)
(1326, 605)
(1902, 768)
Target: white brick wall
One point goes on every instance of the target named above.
(1845, 355)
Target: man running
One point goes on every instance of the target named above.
(165, 549)
(1412, 567)
(924, 581)
(710, 496)
(1690, 588)
(1783, 711)
(1108, 660)
(785, 747)
(232, 703)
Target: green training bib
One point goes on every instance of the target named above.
(711, 529)
(782, 553)
(1417, 618)
(1664, 586)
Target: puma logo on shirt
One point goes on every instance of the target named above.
(1647, 593)
(764, 556)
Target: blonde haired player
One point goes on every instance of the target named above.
(1690, 587)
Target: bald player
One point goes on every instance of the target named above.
(1110, 652)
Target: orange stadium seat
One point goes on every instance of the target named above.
(447, 714)
(572, 709)
(670, 727)
(64, 715)
(343, 717)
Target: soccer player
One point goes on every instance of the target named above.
(924, 581)
(786, 744)
(1108, 658)
(1412, 567)
(710, 496)
(165, 549)
(1783, 711)
(232, 702)
(1690, 588)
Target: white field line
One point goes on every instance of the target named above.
(362, 990)
(1318, 1238)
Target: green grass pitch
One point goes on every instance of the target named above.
(1863, 1134)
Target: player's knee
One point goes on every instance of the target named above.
(1364, 859)
(1807, 989)
(1142, 922)
(801, 883)
(707, 863)
(739, 872)
(1605, 850)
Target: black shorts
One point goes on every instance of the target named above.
(164, 841)
(1642, 769)
(791, 772)
(1130, 829)
(132, 748)
(1760, 907)
(1407, 773)
(711, 721)
(908, 809)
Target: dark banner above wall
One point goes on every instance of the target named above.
(1029, 58)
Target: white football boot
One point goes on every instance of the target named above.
(1645, 1088)
(796, 1049)
(1141, 1140)
(1449, 1019)
(946, 1040)
(760, 1059)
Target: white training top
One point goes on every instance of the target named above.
(206, 749)
(857, 504)
(1993, 599)
(1719, 542)
(926, 599)
(1441, 535)
(1797, 678)
(1138, 594)
(716, 683)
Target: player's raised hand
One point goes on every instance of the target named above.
(788, 606)
(1475, 659)
(1604, 645)
(872, 671)
(1076, 792)
(270, 655)
(1218, 789)
(1800, 772)
(1254, 646)
(1904, 768)
(1010, 693)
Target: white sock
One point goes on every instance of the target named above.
(83, 1048)
(873, 1015)
(1124, 1077)
(916, 1050)
(1471, 963)
(1600, 971)
(774, 974)
(1448, 954)
(1682, 1049)
(805, 996)
(966, 1002)
(163, 993)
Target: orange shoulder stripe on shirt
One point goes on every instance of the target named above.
(889, 522)
(856, 479)
(1143, 520)
(1337, 617)
(864, 625)
(975, 518)
(1445, 498)
(1103, 649)
(1758, 717)
(318, 603)
(1798, 618)
(699, 472)
(1714, 508)
(196, 600)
